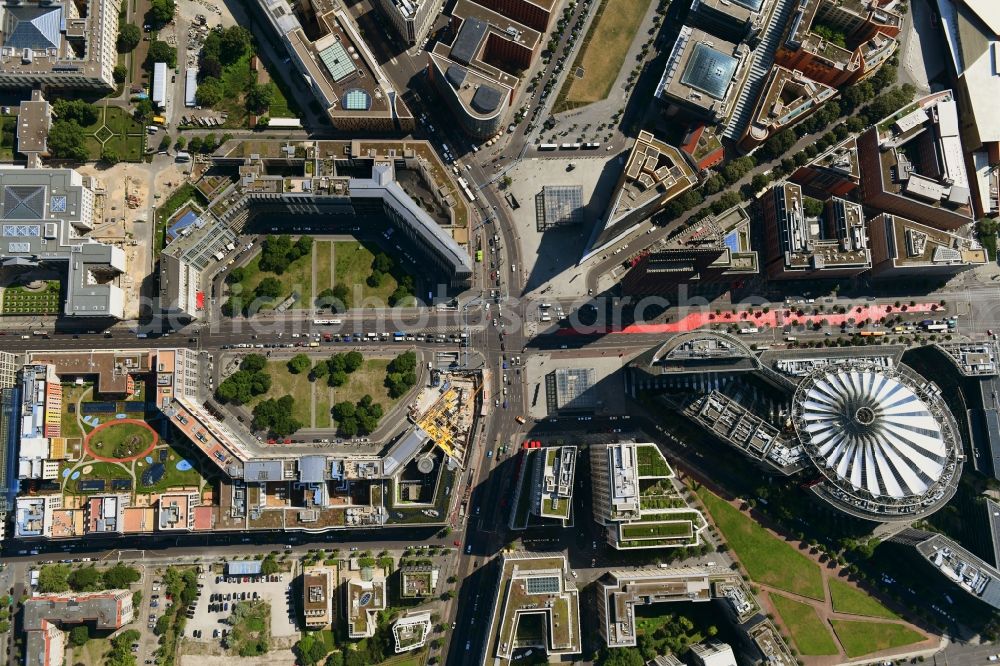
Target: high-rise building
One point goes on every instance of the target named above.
(411, 18)
(903, 248)
(915, 167)
(477, 73)
(59, 44)
(45, 216)
(804, 242)
(635, 499)
(838, 42)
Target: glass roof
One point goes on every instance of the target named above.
(709, 71)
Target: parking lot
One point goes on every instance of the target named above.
(274, 591)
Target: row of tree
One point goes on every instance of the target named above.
(61, 578)
(275, 416)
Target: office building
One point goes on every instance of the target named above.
(552, 485)
(48, 616)
(713, 653)
(530, 586)
(902, 248)
(34, 120)
(632, 484)
(59, 44)
(410, 631)
(838, 42)
(45, 215)
(915, 167)
(410, 18)
(418, 581)
(735, 20)
(789, 97)
(717, 250)
(318, 585)
(477, 73)
(654, 174)
(807, 238)
(364, 598)
(341, 70)
(536, 14)
(703, 75)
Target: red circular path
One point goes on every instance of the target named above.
(86, 441)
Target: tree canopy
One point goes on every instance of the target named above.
(161, 51)
(259, 97)
(129, 37)
(81, 112)
(279, 251)
(275, 416)
(299, 364)
(66, 141)
(401, 374)
(209, 92)
(161, 12)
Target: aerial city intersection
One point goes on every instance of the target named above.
(406, 332)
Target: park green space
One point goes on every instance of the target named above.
(297, 277)
(369, 379)
(121, 440)
(324, 265)
(851, 600)
(811, 636)
(108, 471)
(18, 300)
(860, 637)
(352, 266)
(285, 383)
(602, 53)
(173, 477)
(768, 559)
(117, 129)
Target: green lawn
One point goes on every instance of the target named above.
(69, 423)
(121, 440)
(297, 277)
(865, 637)
(172, 477)
(324, 265)
(352, 266)
(650, 462)
(369, 379)
(652, 530)
(18, 300)
(849, 599)
(115, 127)
(767, 559)
(285, 383)
(602, 53)
(811, 636)
(100, 470)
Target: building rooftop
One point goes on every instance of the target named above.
(45, 215)
(345, 76)
(534, 585)
(555, 489)
(788, 96)
(655, 172)
(59, 41)
(972, 33)
(915, 245)
(835, 240)
(702, 73)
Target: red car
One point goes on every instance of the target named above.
(457, 543)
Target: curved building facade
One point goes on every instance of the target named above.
(883, 438)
